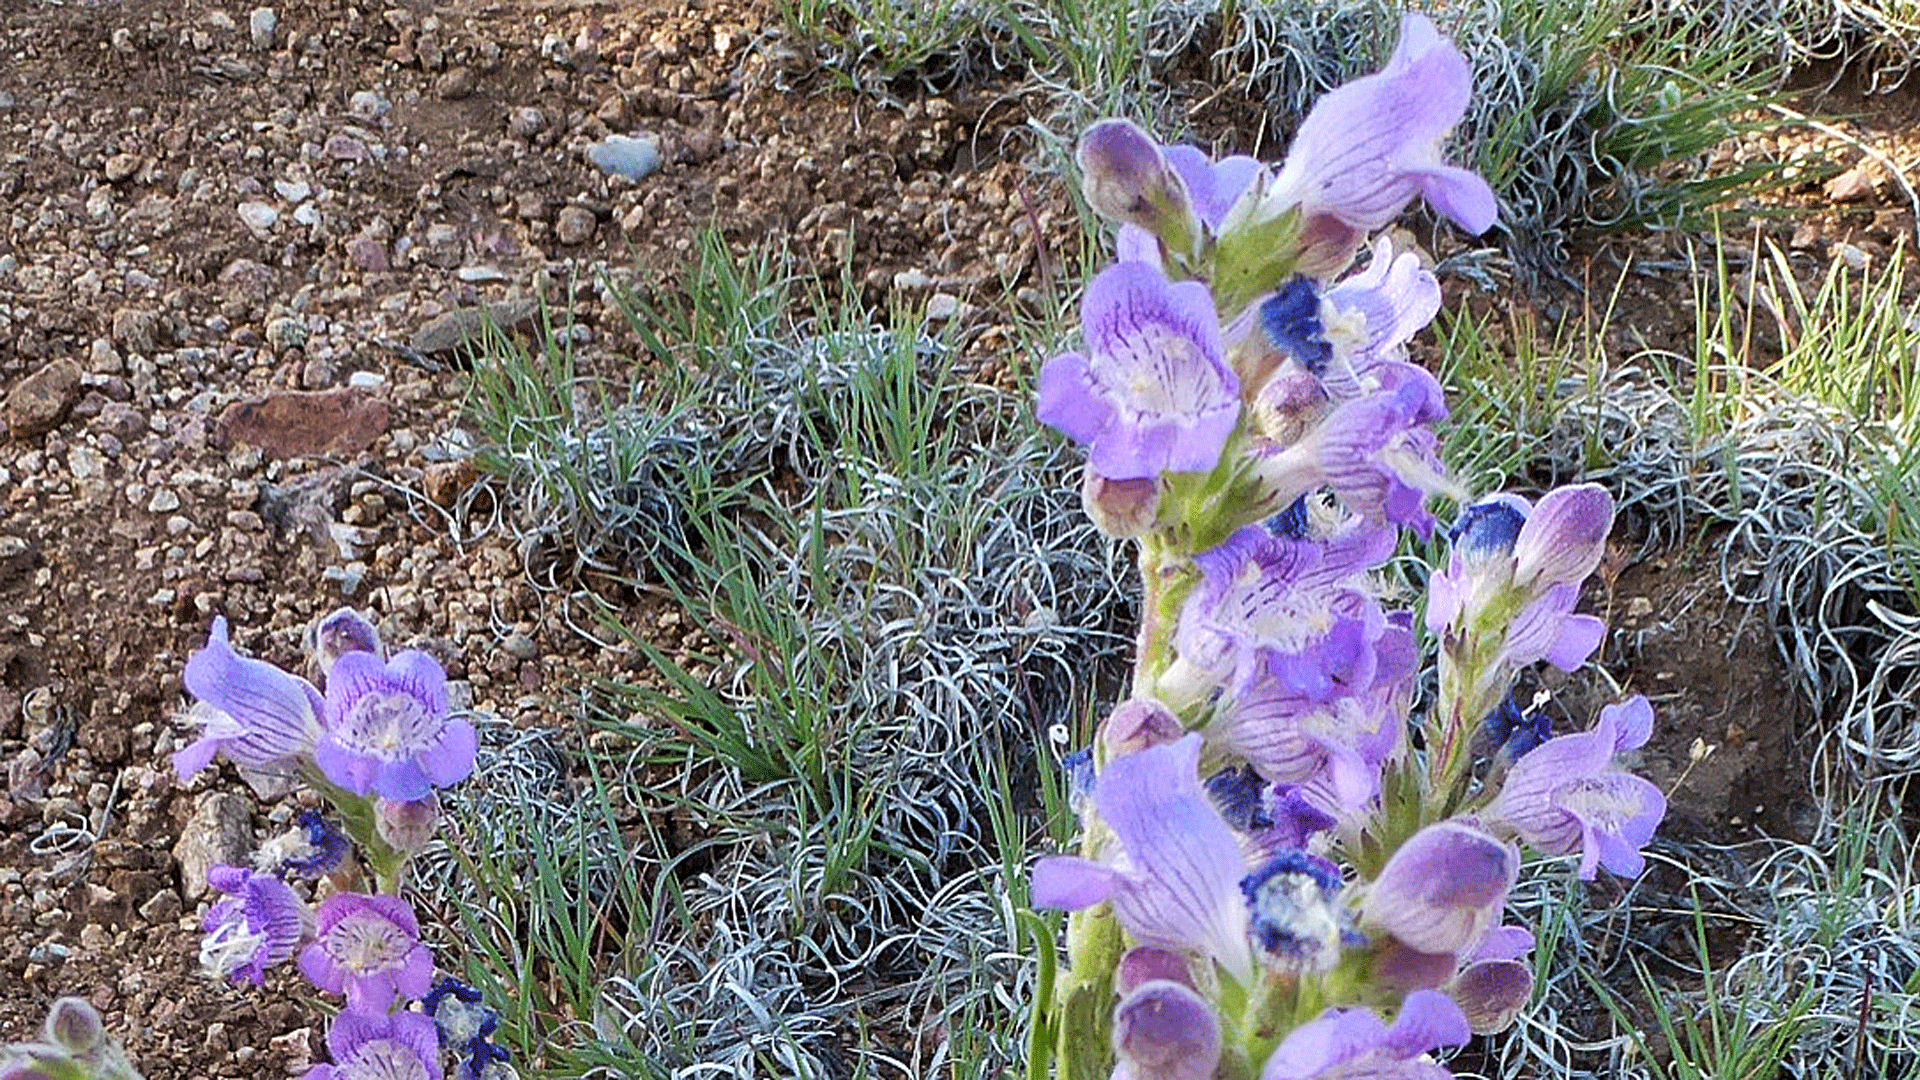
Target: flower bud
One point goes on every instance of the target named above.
(406, 825)
(1121, 508)
(1166, 1031)
(73, 1023)
(1138, 724)
(342, 632)
(1126, 177)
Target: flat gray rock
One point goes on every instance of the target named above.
(626, 155)
(455, 328)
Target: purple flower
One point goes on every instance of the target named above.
(1378, 452)
(1120, 508)
(1163, 1030)
(1567, 796)
(260, 924)
(1367, 148)
(1211, 188)
(1524, 563)
(250, 712)
(1156, 394)
(368, 948)
(388, 730)
(380, 1046)
(1370, 317)
(459, 1012)
(1128, 178)
(1443, 889)
(1354, 1043)
(1176, 882)
(406, 825)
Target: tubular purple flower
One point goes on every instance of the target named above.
(1443, 889)
(1491, 993)
(1156, 394)
(381, 1046)
(368, 948)
(260, 924)
(1178, 885)
(74, 1025)
(1163, 1030)
(1567, 796)
(387, 728)
(250, 712)
(1354, 1043)
(1547, 629)
(1367, 148)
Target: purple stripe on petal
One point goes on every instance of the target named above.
(1071, 883)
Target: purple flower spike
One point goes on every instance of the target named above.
(381, 1046)
(1178, 886)
(1567, 796)
(1367, 148)
(259, 925)
(388, 730)
(250, 712)
(1443, 889)
(1354, 1043)
(1163, 1030)
(368, 948)
(1156, 394)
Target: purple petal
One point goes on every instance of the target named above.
(1632, 722)
(321, 969)
(421, 676)
(195, 756)
(450, 760)
(1461, 194)
(402, 779)
(352, 771)
(271, 707)
(1071, 883)
(1579, 636)
(1314, 1047)
(1135, 244)
(1127, 178)
(1564, 537)
(1143, 965)
(1428, 1020)
(1187, 862)
(1503, 943)
(353, 676)
(1491, 992)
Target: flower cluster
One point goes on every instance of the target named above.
(1287, 869)
(376, 743)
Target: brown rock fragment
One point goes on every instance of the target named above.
(41, 400)
(301, 423)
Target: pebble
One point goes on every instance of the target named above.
(344, 147)
(943, 306)
(574, 225)
(450, 331)
(121, 166)
(368, 105)
(164, 500)
(367, 380)
(526, 121)
(294, 191)
(477, 274)
(258, 216)
(261, 26)
(633, 157)
(1854, 185)
(455, 85)
(520, 646)
(86, 463)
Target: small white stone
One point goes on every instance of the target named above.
(367, 380)
(307, 214)
(164, 501)
(258, 216)
(178, 524)
(261, 26)
(368, 105)
(86, 463)
(293, 191)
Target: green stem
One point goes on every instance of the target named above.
(358, 818)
